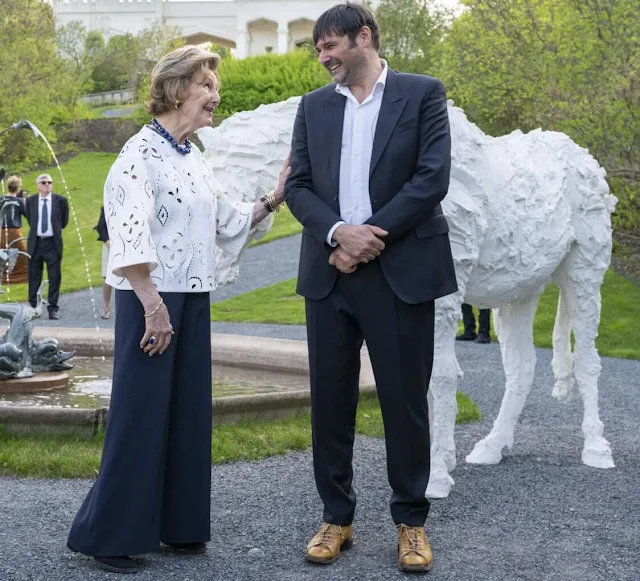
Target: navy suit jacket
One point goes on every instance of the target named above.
(59, 220)
(409, 176)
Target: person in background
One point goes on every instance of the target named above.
(48, 216)
(12, 208)
(22, 193)
(468, 320)
(166, 214)
(103, 236)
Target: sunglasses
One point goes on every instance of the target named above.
(46, 183)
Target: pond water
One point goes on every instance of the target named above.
(90, 385)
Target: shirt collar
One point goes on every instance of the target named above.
(381, 83)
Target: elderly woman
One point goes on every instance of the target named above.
(165, 216)
(12, 208)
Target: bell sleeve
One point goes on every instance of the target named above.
(129, 203)
(233, 222)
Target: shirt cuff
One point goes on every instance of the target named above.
(330, 241)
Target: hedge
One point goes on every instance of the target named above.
(248, 83)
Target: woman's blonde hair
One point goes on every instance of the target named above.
(13, 184)
(173, 74)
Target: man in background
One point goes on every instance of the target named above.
(48, 215)
(469, 321)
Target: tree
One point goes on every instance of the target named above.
(128, 58)
(411, 34)
(81, 52)
(158, 40)
(33, 80)
(566, 65)
(117, 69)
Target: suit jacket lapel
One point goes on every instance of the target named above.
(333, 122)
(393, 104)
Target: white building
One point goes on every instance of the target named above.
(250, 27)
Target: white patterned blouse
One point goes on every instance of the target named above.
(166, 210)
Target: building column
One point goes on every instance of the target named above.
(241, 44)
(283, 38)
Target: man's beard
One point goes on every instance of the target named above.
(352, 73)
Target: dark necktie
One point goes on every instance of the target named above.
(44, 222)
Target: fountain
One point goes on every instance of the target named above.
(26, 364)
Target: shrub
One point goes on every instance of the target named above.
(248, 83)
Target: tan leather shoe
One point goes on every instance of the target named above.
(414, 552)
(325, 547)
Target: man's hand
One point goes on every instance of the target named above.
(342, 261)
(361, 243)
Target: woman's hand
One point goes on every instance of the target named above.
(158, 325)
(158, 328)
(282, 178)
(276, 197)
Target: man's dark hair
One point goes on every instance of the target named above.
(346, 19)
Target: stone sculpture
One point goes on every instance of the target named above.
(524, 210)
(20, 355)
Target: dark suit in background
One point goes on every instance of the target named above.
(46, 249)
(388, 302)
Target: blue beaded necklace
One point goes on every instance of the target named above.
(183, 149)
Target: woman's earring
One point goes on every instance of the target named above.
(178, 103)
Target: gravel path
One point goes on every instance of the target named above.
(261, 266)
(538, 516)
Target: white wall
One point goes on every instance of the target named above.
(226, 20)
(262, 35)
(298, 31)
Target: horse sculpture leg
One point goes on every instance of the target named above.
(514, 325)
(562, 362)
(580, 284)
(442, 395)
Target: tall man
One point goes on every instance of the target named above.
(48, 215)
(370, 163)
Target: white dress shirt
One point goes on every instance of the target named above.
(49, 231)
(166, 210)
(360, 120)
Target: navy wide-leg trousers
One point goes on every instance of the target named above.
(154, 483)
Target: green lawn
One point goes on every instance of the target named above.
(85, 175)
(284, 224)
(619, 331)
(278, 304)
(73, 455)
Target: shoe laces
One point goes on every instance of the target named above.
(329, 533)
(413, 536)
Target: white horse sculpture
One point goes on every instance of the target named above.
(524, 210)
